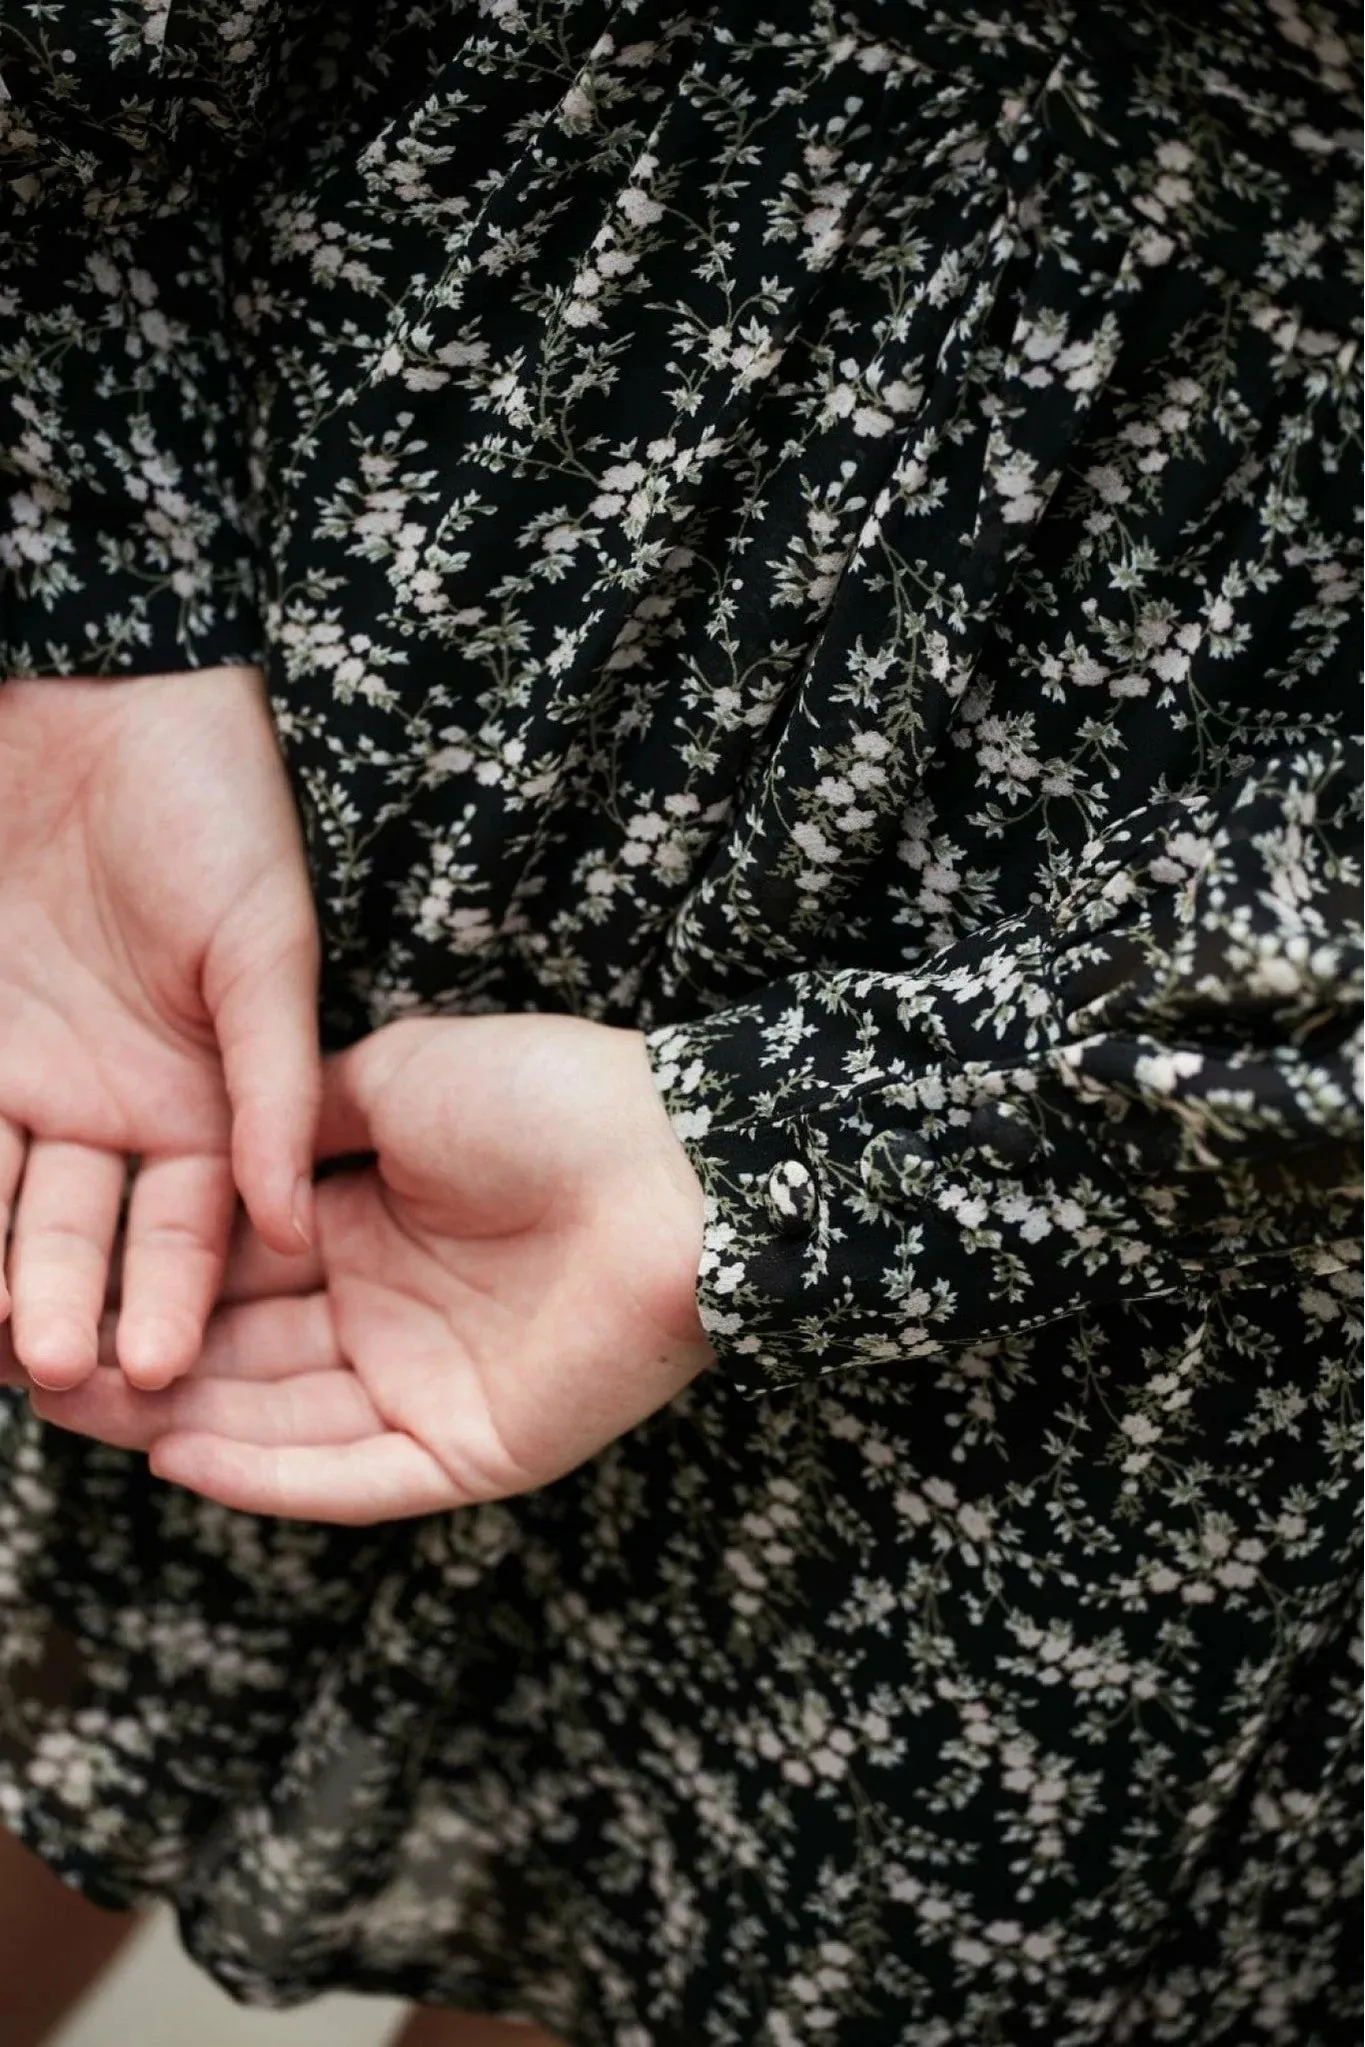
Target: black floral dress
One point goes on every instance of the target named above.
(825, 530)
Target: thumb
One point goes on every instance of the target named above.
(363, 1108)
(261, 992)
(344, 1122)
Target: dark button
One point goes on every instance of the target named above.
(897, 1166)
(1003, 1135)
(791, 1198)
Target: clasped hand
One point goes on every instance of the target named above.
(503, 1289)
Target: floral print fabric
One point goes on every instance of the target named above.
(829, 535)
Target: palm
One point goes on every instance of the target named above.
(153, 904)
(507, 1289)
(121, 853)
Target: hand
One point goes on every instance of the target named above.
(158, 969)
(506, 1290)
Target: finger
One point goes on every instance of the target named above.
(106, 1407)
(267, 1339)
(64, 1226)
(343, 1121)
(12, 1145)
(262, 1341)
(174, 1251)
(385, 1478)
(264, 1009)
(254, 1271)
(312, 1408)
(12, 1372)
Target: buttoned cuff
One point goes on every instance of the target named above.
(1095, 1103)
(901, 1220)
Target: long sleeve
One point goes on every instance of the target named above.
(1111, 1097)
(124, 541)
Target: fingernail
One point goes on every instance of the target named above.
(57, 1358)
(302, 1213)
(151, 1379)
(55, 1378)
(149, 1352)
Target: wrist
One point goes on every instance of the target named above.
(676, 1195)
